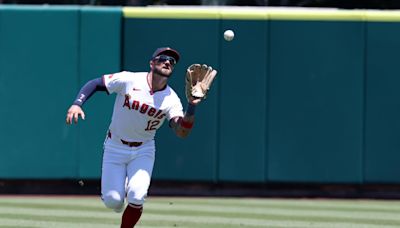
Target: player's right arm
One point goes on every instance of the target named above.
(84, 94)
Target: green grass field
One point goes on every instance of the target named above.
(85, 212)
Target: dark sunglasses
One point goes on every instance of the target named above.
(164, 58)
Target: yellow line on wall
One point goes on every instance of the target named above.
(171, 12)
(244, 13)
(260, 13)
(383, 15)
(316, 14)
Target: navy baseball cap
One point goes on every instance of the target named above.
(166, 51)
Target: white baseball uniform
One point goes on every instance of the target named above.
(129, 149)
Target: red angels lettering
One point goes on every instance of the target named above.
(151, 111)
(144, 108)
(158, 113)
(126, 102)
(135, 105)
(161, 116)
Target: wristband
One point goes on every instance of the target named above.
(186, 124)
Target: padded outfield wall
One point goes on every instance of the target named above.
(46, 54)
(302, 96)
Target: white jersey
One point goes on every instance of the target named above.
(138, 112)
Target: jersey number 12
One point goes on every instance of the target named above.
(151, 125)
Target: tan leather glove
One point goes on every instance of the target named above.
(199, 78)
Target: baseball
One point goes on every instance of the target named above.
(229, 35)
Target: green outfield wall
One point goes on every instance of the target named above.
(302, 96)
(46, 55)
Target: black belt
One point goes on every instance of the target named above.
(130, 144)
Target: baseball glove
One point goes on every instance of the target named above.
(199, 78)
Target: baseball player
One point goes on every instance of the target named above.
(144, 100)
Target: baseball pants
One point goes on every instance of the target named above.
(126, 172)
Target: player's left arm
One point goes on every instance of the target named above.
(182, 126)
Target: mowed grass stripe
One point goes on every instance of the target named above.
(340, 205)
(28, 223)
(216, 208)
(266, 209)
(43, 205)
(144, 223)
(266, 201)
(90, 218)
(348, 205)
(14, 226)
(200, 225)
(217, 213)
(243, 222)
(185, 221)
(109, 214)
(389, 218)
(247, 219)
(327, 218)
(60, 218)
(95, 200)
(395, 204)
(65, 200)
(68, 205)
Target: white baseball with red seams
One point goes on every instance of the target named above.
(138, 113)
